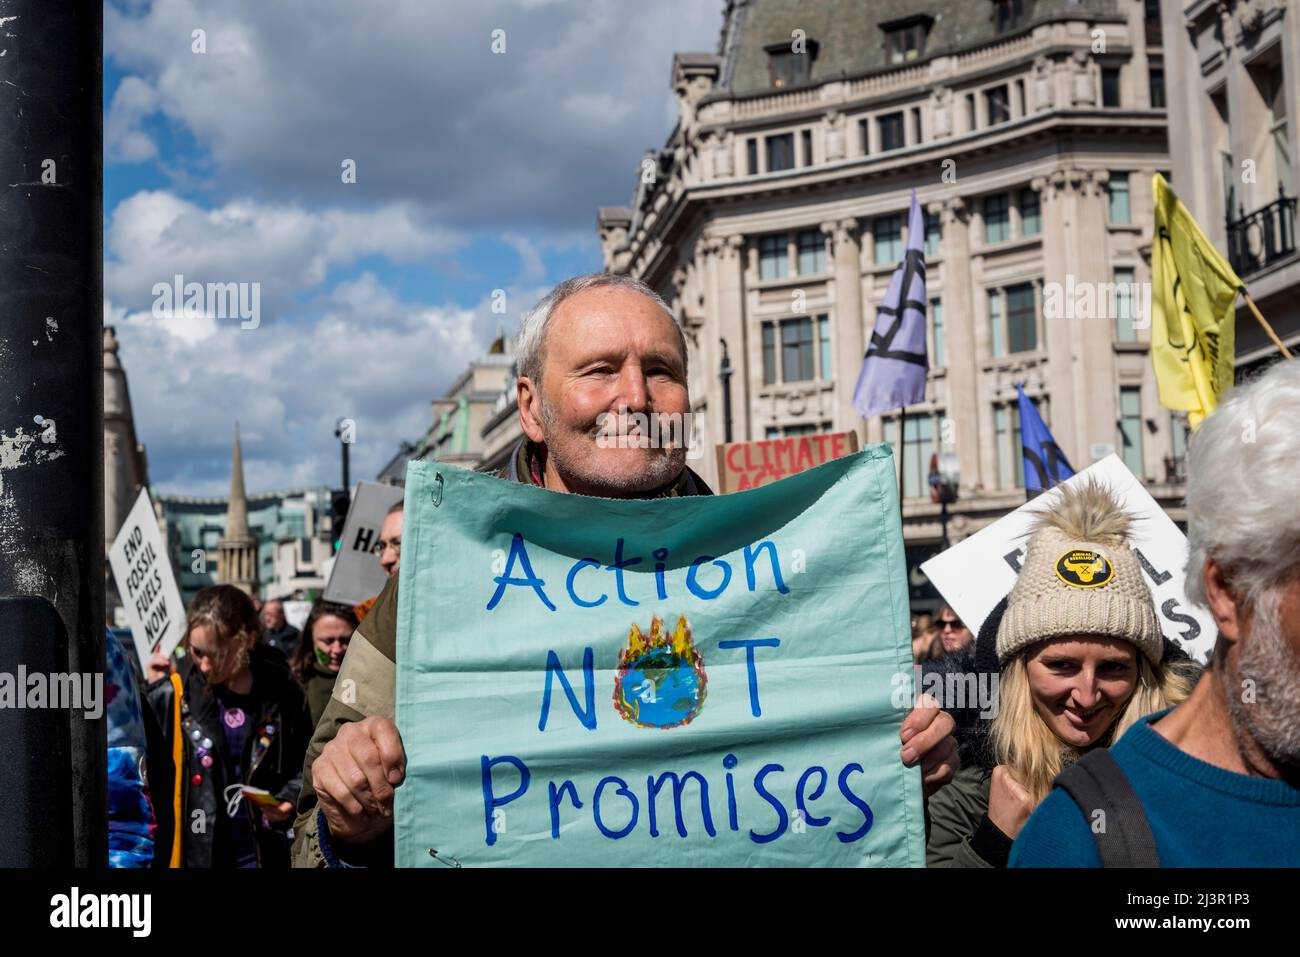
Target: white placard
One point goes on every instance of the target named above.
(296, 612)
(145, 583)
(357, 574)
(975, 574)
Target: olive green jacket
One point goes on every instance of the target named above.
(366, 685)
(319, 688)
(959, 834)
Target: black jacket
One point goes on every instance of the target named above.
(285, 640)
(277, 742)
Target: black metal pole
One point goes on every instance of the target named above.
(943, 517)
(52, 422)
(724, 376)
(343, 434)
(902, 457)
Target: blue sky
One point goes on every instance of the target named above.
(475, 170)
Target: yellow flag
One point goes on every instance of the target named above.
(1193, 311)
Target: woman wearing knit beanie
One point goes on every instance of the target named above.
(1080, 657)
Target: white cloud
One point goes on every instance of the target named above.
(133, 100)
(370, 356)
(533, 269)
(153, 236)
(452, 144)
(540, 135)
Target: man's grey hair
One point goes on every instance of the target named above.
(530, 349)
(1242, 464)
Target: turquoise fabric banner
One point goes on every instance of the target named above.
(684, 681)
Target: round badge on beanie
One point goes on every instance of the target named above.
(1080, 577)
(1084, 568)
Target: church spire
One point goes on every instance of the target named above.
(237, 549)
(237, 512)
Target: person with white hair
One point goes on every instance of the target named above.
(1215, 781)
(597, 349)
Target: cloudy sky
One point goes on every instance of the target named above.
(475, 171)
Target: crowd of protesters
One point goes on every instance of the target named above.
(206, 745)
(1107, 745)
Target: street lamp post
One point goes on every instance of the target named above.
(945, 478)
(344, 435)
(724, 376)
(344, 431)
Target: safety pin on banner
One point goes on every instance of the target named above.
(448, 860)
(437, 492)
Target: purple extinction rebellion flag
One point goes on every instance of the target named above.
(893, 372)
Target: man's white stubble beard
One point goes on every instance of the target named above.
(1266, 660)
(662, 467)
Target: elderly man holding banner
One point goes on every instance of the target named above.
(750, 643)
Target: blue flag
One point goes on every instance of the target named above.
(1045, 463)
(893, 372)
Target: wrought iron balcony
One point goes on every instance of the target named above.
(1263, 237)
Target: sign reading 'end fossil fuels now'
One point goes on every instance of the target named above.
(703, 680)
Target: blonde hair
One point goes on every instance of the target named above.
(1021, 739)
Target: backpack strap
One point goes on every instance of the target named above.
(1097, 782)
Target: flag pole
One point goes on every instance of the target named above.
(1264, 322)
(902, 468)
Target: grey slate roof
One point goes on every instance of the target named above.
(847, 32)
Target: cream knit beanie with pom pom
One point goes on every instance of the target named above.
(1080, 577)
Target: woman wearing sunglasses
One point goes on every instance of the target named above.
(954, 635)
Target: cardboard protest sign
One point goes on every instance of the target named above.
(746, 465)
(975, 574)
(697, 680)
(356, 574)
(145, 582)
(296, 612)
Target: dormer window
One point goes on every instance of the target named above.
(1008, 14)
(790, 63)
(905, 39)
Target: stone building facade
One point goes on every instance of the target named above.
(775, 214)
(1233, 73)
(126, 466)
(475, 423)
(462, 415)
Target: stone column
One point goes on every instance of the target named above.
(1139, 67)
(848, 321)
(834, 127)
(1056, 202)
(706, 253)
(1096, 387)
(733, 327)
(959, 331)
(1041, 92)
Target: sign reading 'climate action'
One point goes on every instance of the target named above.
(746, 465)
